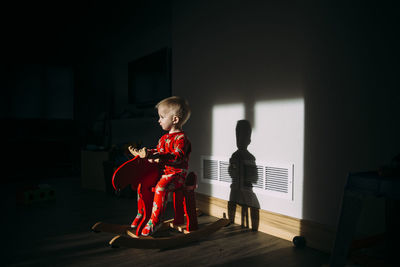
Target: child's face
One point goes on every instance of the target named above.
(166, 120)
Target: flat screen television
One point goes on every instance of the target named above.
(149, 78)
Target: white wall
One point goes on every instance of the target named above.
(254, 58)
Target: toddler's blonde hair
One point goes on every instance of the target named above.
(179, 106)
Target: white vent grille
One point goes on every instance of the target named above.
(210, 169)
(276, 179)
(266, 178)
(224, 172)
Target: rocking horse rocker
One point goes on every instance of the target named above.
(142, 176)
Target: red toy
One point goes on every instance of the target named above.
(142, 176)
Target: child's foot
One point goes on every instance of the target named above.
(147, 230)
(136, 221)
(150, 229)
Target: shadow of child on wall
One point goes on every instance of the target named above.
(243, 171)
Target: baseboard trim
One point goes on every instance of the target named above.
(317, 235)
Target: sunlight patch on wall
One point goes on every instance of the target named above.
(278, 130)
(223, 142)
(224, 119)
(277, 138)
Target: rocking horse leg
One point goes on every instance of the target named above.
(146, 198)
(140, 210)
(190, 210)
(178, 207)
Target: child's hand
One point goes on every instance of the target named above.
(142, 153)
(133, 151)
(154, 158)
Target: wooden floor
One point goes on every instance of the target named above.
(58, 234)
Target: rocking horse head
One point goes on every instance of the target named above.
(134, 172)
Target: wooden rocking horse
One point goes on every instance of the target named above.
(143, 176)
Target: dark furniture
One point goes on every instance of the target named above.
(360, 185)
(39, 148)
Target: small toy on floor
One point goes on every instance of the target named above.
(35, 194)
(299, 241)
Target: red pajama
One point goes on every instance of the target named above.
(174, 150)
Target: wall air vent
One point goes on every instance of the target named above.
(277, 179)
(210, 169)
(263, 178)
